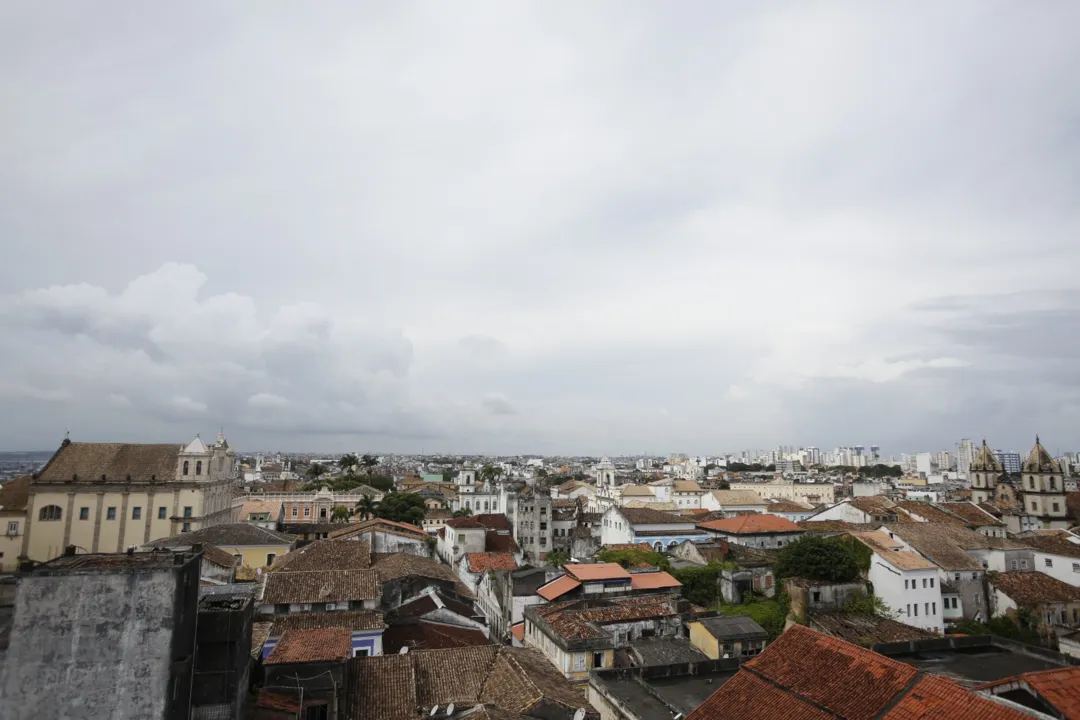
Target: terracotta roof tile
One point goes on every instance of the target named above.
(572, 621)
(117, 462)
(738, 498)
(649, 516)
(228, 534)
(320, 586)
(494, 542)
(326, 555)
(751, 524)
(891, 551)
(15, 493)
(1032, 588)
(348, 619)
(1051, 544)
(597, 571)
(929, 513)
(970, 513)
(1059, 688)
(866, 631)
(319, 645)
(937, 697)
(424, 635)
(842, 678)
(464, 522)
(945, 545)
(493, 521)
(399, 565)
(481, 562)
(558, 587)
(653, 581)
(379, 525)
(747, 691)
(284, 700)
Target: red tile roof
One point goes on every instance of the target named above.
(809, 676)
(1059, 688)
(558, 587)
(653, 581)
(424, 635)
(518, 631)
(493, 521)
(494, 542)
(279, 700)
(1032, 588)
(597, 571)
(318, 645)
(481, 562)
(378, 525)
(753, 523)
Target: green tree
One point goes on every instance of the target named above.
(557, 558)
(348, 462)
(340, 513)
(542, 473)
(379, 482)
(369, 462)
(402, 507)
(316, 470)
(769, 614)
(817, 558)
(700, 584)
(724, 485)
(463, 512)
(630, 557)
(367, 507)
(448, 476)
(491, 473)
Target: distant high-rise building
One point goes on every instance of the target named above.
(965, 453)
(1010, 461)
(875, 453)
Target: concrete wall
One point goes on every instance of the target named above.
(116, 644)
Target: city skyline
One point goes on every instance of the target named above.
(530, 228)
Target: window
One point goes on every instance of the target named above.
(598, 659)
(187, 511)
(1064, 618)
(1013, 564)
(84, 513)
(1049, 562)
(916, 609)
(50, 512)
(161, 513)
(294, 512)
(1055, 507)
(461, 539)
(198, 468)
(817, 596)
(924, 583)
(13, 528)
(1053, 486)
(579, 662)
(110, 514)
(361, 652)
(1076, 567)
(974, 576)
(926, 608)
(136, 513)
(931, 582)
(186, 527)
(317, 607)
(1033, 506)
(956, 576)
(1023, 564)
(933, 607)
(906, 585)
(185, 467)
(307, 512)
(281, 609)
(909, 609)
(270, 558)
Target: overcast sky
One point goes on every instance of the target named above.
(603, 227)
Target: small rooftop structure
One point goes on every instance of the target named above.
(737, 627)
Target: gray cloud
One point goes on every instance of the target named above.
(347, 228)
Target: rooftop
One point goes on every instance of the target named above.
(665, 651)
(326, 555)
(14, 494)
(1052, 544)
(583, 620)
(970, 513)
(752, 524)
(649, 516)
(318, 645)
(347, 619)
(893, 552)
(228, 535)
(320, 586)
(378, 525)
(481, 562)
(737, 498)
(493, 521)
(424, 635)
(1032, 588)
(398, 565)
(1057, 689)
(97, 562)
(653, 581)
(558, 587)
(119, 463)
(597, 571)
(945, 545)
(734, 628)
(865, 631)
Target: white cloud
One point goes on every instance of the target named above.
(186, 405)
(267, 400)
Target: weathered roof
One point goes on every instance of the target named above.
(944, 545)
(1032, 588)
(1058, 688)
(666, 651)
(1051, 544)
(317, 645)
(217, 556)
(737, 497)
(401, 687)
(479, 562)
(638, 491)
(580, 620)
(893, 552)
(14, 494)
(320, 586)
(649, 516)
(738, 627)
(787, 506)
(863, 630)
(256, 507)
(496, 542)
(228, 535)
(970, 513)
(399, 565)
(689, 486)
(493, 521)
(326, 555)
(424, 635)
(378, 525)
(1040, 461)
(985, 460)
(464, 522)
(117, 462)
(805, 675)
(348, 619)
(432, 600)
(835, 526)
(929, 512)
(753, 523)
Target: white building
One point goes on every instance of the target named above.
(732, 501)
(905, 581)
(621, 525)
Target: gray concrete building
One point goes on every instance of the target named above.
(103, 636)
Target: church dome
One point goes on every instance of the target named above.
(985, 461)
(1040, 461)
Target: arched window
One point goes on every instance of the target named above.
(50, 512)
(658, 546)
(198, 467)
(185, 467)
(1053, 485)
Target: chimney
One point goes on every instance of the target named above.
(131, 551)
(69, 551)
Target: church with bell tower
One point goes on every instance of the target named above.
(1043, 487)
(985, 470)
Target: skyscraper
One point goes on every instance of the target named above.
(965, 453)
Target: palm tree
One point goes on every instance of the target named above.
(316, 471)
(463, 512)
(491, 473)
(347, 462)
(367, 507)
(340, 513)
(369, 461)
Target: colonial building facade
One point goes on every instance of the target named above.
(107, 497)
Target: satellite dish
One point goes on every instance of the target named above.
(434, 711)
(450, 710)
(579, 714)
